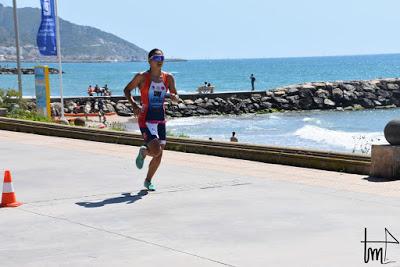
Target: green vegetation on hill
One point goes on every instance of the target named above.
(77, 42)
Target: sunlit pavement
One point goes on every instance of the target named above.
(84, 205)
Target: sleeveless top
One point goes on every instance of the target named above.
(152, 95)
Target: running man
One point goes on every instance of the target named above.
(153, 85)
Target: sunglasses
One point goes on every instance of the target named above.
(157, 58)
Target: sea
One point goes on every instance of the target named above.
(350, 132)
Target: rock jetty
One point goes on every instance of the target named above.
(340, 95)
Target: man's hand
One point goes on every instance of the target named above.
(136, 109)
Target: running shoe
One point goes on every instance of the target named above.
(140, 157)
(149, 186)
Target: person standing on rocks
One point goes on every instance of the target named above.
(153, 85)
(253, 80)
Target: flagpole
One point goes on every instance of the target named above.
(59, 59)
(17, 48)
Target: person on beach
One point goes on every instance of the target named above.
(233, 137)
(253, 80)
(153, 85)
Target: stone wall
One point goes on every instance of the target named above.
(341, 95)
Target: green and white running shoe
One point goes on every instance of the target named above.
(140, 157)
(149, 186)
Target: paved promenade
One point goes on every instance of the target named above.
(85, 206)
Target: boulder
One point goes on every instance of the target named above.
(292, 91)
(392, 86)
(370, 95)
(256, 96)
(329, 103)
(367, 103)
(266, 99)
(279, 93)
(182, 106)
(337, 94)
(199, 101)
(319, 102)
(384, 93)
(70, 106)
(188, 102)
(122, 110)
(266, 105)
(306, 103)
(322, 93)
(192, 107)
(203, 111)
(348, 87)
(377, 103)
(110, 107)
(269, 93)
(307, 87)
(55, 109)
(280, 100)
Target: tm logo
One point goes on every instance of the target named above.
(378, 250)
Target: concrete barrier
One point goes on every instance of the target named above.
(342, 162)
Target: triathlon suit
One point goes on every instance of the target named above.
(152, 115)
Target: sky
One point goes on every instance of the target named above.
(221, 29)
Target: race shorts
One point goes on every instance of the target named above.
(154, 131)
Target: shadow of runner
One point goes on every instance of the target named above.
(126, 197)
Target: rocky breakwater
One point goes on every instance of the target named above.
(349, 95)
(92, 106)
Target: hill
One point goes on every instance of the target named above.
(78, 43)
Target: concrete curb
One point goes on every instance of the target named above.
(342, 162)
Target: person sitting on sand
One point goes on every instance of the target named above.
(233, 137)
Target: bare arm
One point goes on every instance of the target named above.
(136, 81)
(172, 88)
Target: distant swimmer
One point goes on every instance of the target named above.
(233, 137)
(153, 85)
(253, 80)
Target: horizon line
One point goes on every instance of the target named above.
(290, 57)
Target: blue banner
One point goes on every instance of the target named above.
(46, 37)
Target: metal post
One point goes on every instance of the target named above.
(59, 59)
(17, 47)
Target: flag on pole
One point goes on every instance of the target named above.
(47, 37)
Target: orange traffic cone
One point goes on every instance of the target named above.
(8, 199)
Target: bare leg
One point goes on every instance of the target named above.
(154, 150)
(153, 166)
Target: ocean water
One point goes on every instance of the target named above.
(322, 130)
(226, 75)
(350, 132)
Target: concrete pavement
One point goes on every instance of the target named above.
(84, 206)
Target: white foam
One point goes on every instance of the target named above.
(348, 140)
(312, 120)
(189, 121)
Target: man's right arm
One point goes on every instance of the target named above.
(136, 81)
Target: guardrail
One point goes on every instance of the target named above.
(331, 161)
